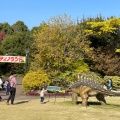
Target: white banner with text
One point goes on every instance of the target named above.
(13, 59)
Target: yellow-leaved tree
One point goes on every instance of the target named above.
(34, 80)
(105, 38)
(60, 44)
(108, 26)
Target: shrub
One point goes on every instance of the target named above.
(115, 80)
(34, 80)
(90, 76)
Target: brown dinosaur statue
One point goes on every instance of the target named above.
(87, 87)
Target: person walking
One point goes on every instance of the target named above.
(12, 80)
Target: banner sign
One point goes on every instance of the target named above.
(13, 59)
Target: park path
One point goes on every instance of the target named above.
(21, 96)
(19, 92)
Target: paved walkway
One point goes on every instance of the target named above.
(21, 96)
(19, 93)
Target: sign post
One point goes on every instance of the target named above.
(26, 66)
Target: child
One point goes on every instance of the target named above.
(42, 95)
(109, 84)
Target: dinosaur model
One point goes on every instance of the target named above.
(86, 88)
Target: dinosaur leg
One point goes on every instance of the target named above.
(84, 98)
(101, 98)
(74, 97)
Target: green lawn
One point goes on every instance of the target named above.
(63, 109)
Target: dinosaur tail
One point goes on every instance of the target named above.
(112, 93)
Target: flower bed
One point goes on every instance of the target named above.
(36, 93)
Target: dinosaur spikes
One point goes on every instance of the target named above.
(87, 82)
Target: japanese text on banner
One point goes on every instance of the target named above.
(13, 59)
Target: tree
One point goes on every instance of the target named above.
(105, 62)
(15, 45)
(6, 28)
(106, 32)
(2, 35)
(19, 26)
(59, 46)
(105, 38)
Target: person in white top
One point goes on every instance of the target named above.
(42, 95)
(1, 83)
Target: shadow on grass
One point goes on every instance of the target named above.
(114, 105)
(110, 106)
(70, 103)
(89, 103)
(101, 106)
(106, 106)
(21, 102)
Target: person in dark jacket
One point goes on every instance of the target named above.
(0, 98)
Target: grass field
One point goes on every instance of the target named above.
(62, 109)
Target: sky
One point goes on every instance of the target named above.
(34, 12)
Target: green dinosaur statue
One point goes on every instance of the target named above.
(87, 87)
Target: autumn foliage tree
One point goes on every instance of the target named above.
(60, 46)
(63, 47)
(105, 38)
